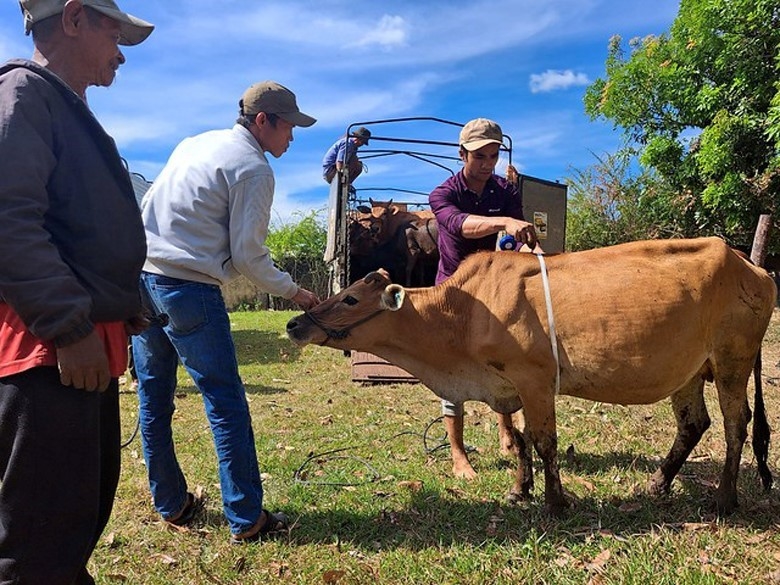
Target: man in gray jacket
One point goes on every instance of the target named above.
(206, 218)
(70, 255)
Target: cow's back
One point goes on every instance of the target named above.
(632, 321)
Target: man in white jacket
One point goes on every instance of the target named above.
(206, 219)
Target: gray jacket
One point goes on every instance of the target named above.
(71, 242)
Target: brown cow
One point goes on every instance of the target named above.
(634, 323)
(417, 245)
(394, 218)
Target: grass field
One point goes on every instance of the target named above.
(373, 501)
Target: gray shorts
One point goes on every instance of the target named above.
(451, 408)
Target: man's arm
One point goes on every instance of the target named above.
(250, 214)
(479, 226)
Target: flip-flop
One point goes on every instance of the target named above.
(187, 513)
(275, 523)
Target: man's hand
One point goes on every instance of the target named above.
(84, 364)
(306, 299)
(137, 324)
(523, 231)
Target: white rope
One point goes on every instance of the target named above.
(551, 323)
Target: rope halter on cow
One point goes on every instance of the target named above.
(338, 334)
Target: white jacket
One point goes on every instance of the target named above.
(206, 215)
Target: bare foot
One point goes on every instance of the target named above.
(462, 469)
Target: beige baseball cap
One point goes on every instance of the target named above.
(273, 98)
(479, 133)
(132, 30)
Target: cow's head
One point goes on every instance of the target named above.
(363, 232)
(340, 320)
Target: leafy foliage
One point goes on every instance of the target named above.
(702, 106)
(305, 238)
(616, 200)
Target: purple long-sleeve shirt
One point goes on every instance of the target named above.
(452, 202)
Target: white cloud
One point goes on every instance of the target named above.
(553, 80)
(390, 32)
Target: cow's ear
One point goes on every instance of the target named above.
(393, 297)
(376, 275)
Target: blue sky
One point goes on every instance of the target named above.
(523, 63)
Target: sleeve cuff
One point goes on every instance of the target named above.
(77, 333)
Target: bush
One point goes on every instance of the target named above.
(617, 201)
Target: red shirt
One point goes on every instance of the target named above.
(20, 350)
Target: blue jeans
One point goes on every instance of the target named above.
(198, 334)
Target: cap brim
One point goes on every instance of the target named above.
(297, 119)
(132, 30)
(477, 144)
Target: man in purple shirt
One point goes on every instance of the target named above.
(471, 208)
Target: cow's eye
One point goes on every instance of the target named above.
(350, 300)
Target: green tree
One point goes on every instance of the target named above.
(702, 106)
(616, 200)
(303, 238)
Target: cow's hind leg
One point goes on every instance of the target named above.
(732, 395)
(692, 420)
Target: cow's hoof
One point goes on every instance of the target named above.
(514, 498)
(657, 485)
(725, 504)
(556, 510)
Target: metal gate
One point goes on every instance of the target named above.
(425, 150)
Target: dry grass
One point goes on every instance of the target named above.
(398, 515)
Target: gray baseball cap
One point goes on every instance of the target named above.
(273, 98)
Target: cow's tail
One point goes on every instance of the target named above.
(761, 430)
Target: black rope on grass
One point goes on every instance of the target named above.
(137, 421)
(300, 476)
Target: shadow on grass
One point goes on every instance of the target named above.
(434, 518)
(263, 347)
(432, 521)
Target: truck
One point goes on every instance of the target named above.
(414, 155)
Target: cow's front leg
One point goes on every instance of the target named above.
(540, 424)
(554, 500)
(506, 434)
(524, 476)
(513, 442)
